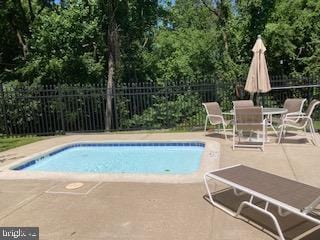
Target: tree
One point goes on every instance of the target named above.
(192, 44)
(17, 19)
(292, 35)
(125, 23)
(65, 47)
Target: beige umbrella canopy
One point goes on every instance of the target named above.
(258, 77)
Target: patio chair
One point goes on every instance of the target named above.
(249, 119)
(300, 121)
(262, 191)
(242, 103)
(215, 116)
(294, 107)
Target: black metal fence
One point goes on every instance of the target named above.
(48, 110)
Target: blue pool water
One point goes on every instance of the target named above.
(165, 158)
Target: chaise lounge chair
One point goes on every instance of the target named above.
(290, 197)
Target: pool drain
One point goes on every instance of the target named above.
(72, 186)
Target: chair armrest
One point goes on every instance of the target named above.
(218, 116)
(228, 113)
(295, 114)
(296, 118)
(213, 115)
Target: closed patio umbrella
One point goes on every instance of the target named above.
(258, 77)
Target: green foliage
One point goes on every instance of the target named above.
(20, 112)
(46, 43)
(67, 43)
(134, 21)
(180, 54)
(64, 47)
(195, 43)
(164, 113)
(292, 36)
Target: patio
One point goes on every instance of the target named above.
(108, 210)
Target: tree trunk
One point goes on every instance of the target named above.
(225, 41)
(112, 41)
(22, 43)
(31, 11)
(111, 71)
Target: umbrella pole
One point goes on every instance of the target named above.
(251, 96)
(258, 102)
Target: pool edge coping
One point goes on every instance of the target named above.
(209, 160)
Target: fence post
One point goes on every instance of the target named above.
(61, 108)
(4, 110)
(309, 89)
(215, 91)
(115, 109)
(167, 100)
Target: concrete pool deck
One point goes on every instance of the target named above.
(115, 210)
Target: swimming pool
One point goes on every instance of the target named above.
(120, 157)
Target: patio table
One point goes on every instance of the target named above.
(269, 112)
(273, 111)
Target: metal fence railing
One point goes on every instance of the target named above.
(48, 110)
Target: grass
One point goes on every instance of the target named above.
(13, 142)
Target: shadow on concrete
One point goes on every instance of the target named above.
(291, 225)
(303, 140)
(218, 135)
(7, 157)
